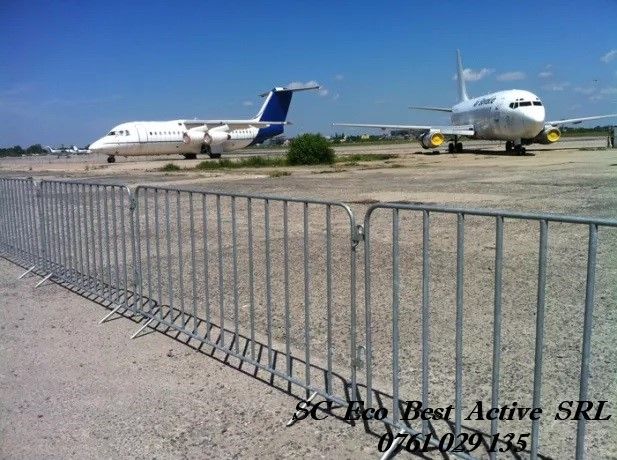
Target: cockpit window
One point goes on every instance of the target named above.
(513, 105)
(111, 133)
(126, 133)
(525, 103)
(537, 103)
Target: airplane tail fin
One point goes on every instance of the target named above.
(462, 90)
(276, 106)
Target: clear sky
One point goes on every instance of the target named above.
(70, 70)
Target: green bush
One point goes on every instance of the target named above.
(310, 149)
(170, 167)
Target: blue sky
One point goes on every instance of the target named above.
(71, 70)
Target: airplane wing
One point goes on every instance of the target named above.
(576, 121)
(459, 130)
(233, 124)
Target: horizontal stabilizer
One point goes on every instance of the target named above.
(436, 109)
(295, 88)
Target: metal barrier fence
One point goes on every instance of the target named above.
(272, 282)
(425, 275)
(87, 238)
(220, 268)
(19, 220)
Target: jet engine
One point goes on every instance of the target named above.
(432, 139)
(193, 137)
(216, 137)
(548, 135)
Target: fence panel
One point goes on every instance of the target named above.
(19, 220)
(469, 305)
(87, 235)
(269, 280)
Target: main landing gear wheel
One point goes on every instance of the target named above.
(509, 145)
(111, 159)
(451, 147)
(458, 147)
(519, 150)
(190, 156)
(215, 155)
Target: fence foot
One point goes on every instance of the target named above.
(26, 272)
(388, 453)
(43, 280)
(108, 315)
(293, 418)
(142, 328)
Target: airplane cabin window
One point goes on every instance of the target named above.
(525, 103)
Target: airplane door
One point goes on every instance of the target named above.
(142, 134)
(496, 119)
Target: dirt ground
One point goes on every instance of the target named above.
(576, 177)
(72, 388)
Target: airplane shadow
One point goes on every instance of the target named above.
(207, 338)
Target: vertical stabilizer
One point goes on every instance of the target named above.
(462, 90)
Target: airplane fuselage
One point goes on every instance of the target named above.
(164, 138)
(504, 115)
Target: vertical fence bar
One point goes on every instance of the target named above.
(307, 300)
(107, 243)
(286, 283)
(180, 257)
(460, 266)
(221, 274)
(157, 248)
(497, 324)
(204, 224)
(367, 311)
(249, 215)
(268, 279)
(193, 266)
(124, 246)
(329, 302)
(170, 288)
(234, 252)
(395, 315)
(425, 314)
(114, 218)
(537, 370)
(146, 193)
(587, 327)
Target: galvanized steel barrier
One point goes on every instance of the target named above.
(272, 281)
(412, 273)
(202, 274)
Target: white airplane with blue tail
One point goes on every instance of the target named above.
(192, 137)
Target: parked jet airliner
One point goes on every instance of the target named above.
(514, 116)
(190, 137)
(72, 149)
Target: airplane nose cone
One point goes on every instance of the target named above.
(533, 121)
(96, 146)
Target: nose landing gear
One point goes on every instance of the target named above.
(516, 146)
(111, 159)
(456, 146)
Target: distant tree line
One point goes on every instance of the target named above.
(18, 150)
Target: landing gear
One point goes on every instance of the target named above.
(215, 155)
(190, 156)
(519, 149)
(509, 145)
(111, 159)
(456, 146)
